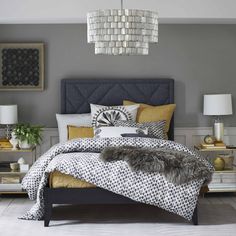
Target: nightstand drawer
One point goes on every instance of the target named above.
(224, 177)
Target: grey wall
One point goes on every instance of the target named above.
(201, 58)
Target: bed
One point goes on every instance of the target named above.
(76, 95)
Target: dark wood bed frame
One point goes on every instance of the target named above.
(76, 95)
(86, 197)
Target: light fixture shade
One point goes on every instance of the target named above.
(8, 114)
(122, 31)
(217, 104)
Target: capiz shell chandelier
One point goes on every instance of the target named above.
(122, 31)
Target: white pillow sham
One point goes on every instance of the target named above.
(111, 132)
(155, 129)
(63, 120)
(106, 115)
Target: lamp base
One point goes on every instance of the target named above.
(218, 130)
(8, 131)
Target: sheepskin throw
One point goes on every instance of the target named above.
(177, 167)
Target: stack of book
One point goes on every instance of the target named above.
(223, 181)
(9, 182)
(5, 166)
(217, 145)
(10, 187)
(4, 143)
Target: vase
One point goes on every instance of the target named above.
(13, 141)
(24, 145)
(219, 164)
(21, 161)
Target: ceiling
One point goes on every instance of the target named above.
(74, 11)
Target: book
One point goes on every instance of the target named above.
(4, 143)
(5, 164)
(204, 146)
(10, 180)
(231, 147)
(10, 187)
(224, 180)
(219, 144)
(5, 169)
(9, 170)
(222, 186)
(207, 145)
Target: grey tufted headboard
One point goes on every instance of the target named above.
(77, 94)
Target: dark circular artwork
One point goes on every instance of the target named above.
(20, 67)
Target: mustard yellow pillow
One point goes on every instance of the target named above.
(148, 113)
(79, 132)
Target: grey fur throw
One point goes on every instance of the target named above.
(177, 167)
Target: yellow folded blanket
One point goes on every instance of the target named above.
(60, 180)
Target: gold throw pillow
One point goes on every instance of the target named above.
(79, 132)
(149, 113)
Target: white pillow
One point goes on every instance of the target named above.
(155, 129)
(111, 132)
(63, 120)
(106, 115)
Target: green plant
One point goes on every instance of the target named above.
(29, 133)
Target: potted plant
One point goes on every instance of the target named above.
(28, 135)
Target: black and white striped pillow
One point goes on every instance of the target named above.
(155, 129)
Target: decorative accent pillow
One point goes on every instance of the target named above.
(155, 129)
(79, 132)
(110, 132)
(148, 113)
(71, 119)
(106, 115)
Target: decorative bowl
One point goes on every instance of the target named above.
(14, 166)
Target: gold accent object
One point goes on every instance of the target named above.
(14, 166)
(4, 143)
(208, 139)
(219, 164)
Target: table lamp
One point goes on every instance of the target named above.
(8, 117)
(218, 105)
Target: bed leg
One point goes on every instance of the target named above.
(46, 223)
(195, 216)
(48, 209)
(47, 214)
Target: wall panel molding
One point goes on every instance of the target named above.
(188, 136)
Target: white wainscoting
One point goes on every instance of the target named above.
(50, 138)
(194, 135)
(185, 135)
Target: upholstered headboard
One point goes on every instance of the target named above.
(77, 94)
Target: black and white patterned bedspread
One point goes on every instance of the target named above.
(80, 158)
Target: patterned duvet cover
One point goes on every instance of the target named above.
(80, 159)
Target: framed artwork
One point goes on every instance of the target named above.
(21, 66)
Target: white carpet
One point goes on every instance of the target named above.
(214, 219)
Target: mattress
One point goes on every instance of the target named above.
(60, 180)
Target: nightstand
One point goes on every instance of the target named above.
(224, 180)
(10, 181)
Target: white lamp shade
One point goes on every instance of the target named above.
(8, 114)
(217, 104)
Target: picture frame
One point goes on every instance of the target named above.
(21, 66)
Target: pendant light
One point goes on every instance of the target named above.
(122, 31)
